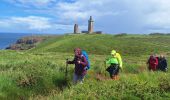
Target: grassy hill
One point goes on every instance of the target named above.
(103, 44)
(39, 73)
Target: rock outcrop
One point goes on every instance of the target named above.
(26, 43)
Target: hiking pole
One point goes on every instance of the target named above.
(105, 67)
(66, 71)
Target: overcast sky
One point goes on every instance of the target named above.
(110, 16)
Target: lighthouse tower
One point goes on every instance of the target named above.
(90, 25)
(76, 29)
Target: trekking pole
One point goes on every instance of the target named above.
(66, 71)
(105, 67)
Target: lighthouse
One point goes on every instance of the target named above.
(76, 30)
(90, 25)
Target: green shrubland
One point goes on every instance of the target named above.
(39, 73)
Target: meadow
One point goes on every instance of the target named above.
(39, 73)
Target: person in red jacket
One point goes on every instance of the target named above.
(153, 63)
(80, 65)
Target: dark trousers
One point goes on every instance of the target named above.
(113, 69)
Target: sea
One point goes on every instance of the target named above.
(7, 39)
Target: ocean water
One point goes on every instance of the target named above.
(7, 39)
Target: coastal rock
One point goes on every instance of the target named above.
(26, 43)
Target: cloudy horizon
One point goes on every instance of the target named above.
(110, 16)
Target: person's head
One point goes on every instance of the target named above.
(77, 52)
(162, 56)
(113, 52)
(152, 55)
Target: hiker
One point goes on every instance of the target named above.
(162, 63)
(115, 62)
(153, 63)
(80, 66)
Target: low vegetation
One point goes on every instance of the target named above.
(39, 73)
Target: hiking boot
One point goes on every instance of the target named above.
(113, 77)
(117, 77)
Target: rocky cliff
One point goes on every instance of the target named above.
(26, 43)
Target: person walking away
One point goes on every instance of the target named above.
(115, 62)
(80, 66)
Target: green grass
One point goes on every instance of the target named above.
(39, 73)
(129, 87)
(102, 44)
(29, 74)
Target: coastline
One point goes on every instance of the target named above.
(7, 39)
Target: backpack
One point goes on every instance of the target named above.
(84, 53)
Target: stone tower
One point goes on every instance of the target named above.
(76, 30)
(90, 25)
